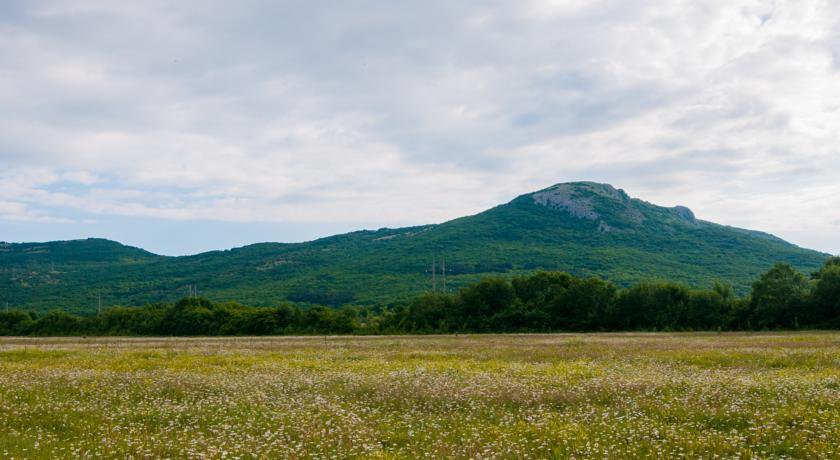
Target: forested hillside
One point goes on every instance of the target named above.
(781, 298)
(585, 229)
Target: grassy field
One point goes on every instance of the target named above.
(528, 396)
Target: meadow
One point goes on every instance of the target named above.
(626, 395)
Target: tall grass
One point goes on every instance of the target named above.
(503, 396)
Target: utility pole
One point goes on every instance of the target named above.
(99, 303)
(443, 271)
(434, 273)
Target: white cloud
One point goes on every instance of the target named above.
(263, 111)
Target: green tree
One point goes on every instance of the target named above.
(778, 297)
(652, 305)
(833, 261)
(540, 288)
(429, 312)
(519, 317)
(479, 302)
(57, 323)
(710, 309)
(190, 316)
(581, 305)
(825, 299)
(15, 323)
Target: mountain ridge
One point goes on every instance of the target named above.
(585, 228)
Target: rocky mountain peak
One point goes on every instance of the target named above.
(579, 198)
(684, 213)
(607, 204)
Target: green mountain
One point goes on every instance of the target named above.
(583, 228)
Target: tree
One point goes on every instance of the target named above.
(833, 261)
(260, 321)
(540, 288)
(285, 316)
(519, 317)
(825, 299)
(429, 312)
(778, 297)
(652, 305)
(710, 309)
(57, 323)
(582, 305)
(131, 321)
(479, 302)
(15, 323)
(190, 316)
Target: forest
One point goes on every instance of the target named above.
(389, 266)
(781, 298)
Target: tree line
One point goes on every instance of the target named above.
(781, 298)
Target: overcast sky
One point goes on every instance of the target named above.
(183, 126)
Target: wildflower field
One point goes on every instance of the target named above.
(769, 395)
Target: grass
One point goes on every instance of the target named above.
(496, 396)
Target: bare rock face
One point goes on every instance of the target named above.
(564, 198)
(631, 214)
(576, 198)
(604, 227)
(684, 213)
(611, 208)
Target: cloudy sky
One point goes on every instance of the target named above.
(183, 126)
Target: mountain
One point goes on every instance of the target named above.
(584, 228)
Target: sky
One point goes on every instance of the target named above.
(185, 126)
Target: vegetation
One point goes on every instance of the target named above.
(535, 396)
(782, 298)
(630, 241)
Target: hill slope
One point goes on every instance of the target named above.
(584, 228)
